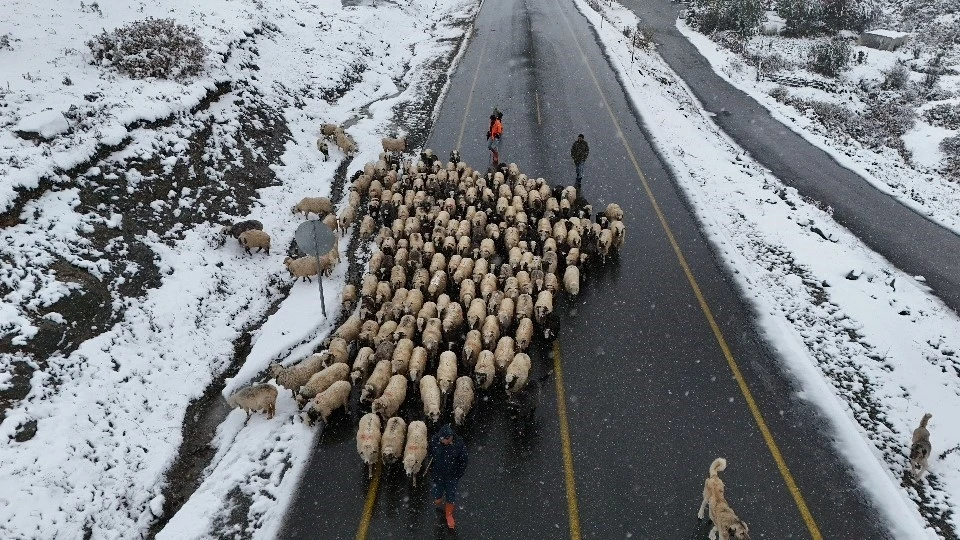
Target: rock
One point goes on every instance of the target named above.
(854, 274)
(44, 125)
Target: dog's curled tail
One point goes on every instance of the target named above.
(718, 465)
(923, 421)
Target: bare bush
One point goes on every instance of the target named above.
(739, 16)
(151, 48)
(945, 115)
(830, 58)
(896, 78)
(780, 93)
(950, 147)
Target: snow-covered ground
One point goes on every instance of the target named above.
(918, 183)
(869, 345)
(128, 241)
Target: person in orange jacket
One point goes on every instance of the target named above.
(494, 134)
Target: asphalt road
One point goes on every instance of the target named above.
(650, 397)
(909, 240)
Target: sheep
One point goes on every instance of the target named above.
(447, 371)
(347, 217)
(327, 130)
(384, 351)
(614, 212)
(345, 142)
(418, 363)
(368, 227)
(453, 263)
(468, 291)
(337, 353)
(480, 269)
(330, 220)
(488, 285)
(550, 262)
(430, 396)
(362, 365)
(463, 396)
(326, 402)
(518, 372)
(320, 382)
(452, 320)
(438, 283)
(239, 228)
(505, 312)
(571, 280)
(472, 346)
(255, 239)
(490, 332)
(524, 334)
(573, 257)
(321, 206)
(544, 306)
(511, 288)
(432, 336)
(464, 270)
(604, 243)
(559, 232)
(524, 307)
(400, 363)
(406, 328)
(348, 297)
(368, 441)
(476, 313)
(398, 277)
(485, 370)
(415, 451)
(428, 311)
(392, 397)
(297, 375)
(392, 440)
(550, 283)
(256, 397)
(619, 234)
(394, 145)
(350, 329)
(368, 333)
(377, 382)
(384, 292)
(304, 267)
(503, 355)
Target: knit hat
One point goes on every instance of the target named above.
(446, 431)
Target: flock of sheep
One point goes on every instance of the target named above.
(465, 271)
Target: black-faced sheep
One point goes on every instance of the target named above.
(524, 334)
(518, 372)
(362, 366)
(239, 228)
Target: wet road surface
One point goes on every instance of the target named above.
(651, 399)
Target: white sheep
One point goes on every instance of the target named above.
(544, 305)
(337, 352)
(415, 451)
(430, 397)
(432, 336)
(472, 346)
(331, 399)
(619, 232)
(400, 363)
(304, 267)
(524, 307)
(571, 280)
(463, 396)
(476, 313)
(350, 329)
(485, 370)
(255, 239)
(524, 334)
(297, 375)
(377, 382)
(503, 355)
(392, 440)
(368, 441)
(505, 312)
(614, 212)
(418, 363)
(447, 371)
(518, 372)
(392, 397)
(256, 397)
(362, 366)
(394, 145)
(321, 206)
(490, 331)
(321, 381)
(345, 142)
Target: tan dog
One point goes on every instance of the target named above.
(722, 516)
(920, 448)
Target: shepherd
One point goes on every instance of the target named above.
(579, 152)
(494, 134)
(448, 460)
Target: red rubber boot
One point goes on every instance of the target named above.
(451, 523)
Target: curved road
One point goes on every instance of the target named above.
(909, 240)
(650, 397)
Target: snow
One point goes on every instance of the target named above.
(918, 185)
(874, 352)
(893, 34)
(47, 124)
(109, 414)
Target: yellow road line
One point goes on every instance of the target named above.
(466, 110)
(707, 312)
(368, 505)
(572, 511)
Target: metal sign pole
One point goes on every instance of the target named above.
(323, 305)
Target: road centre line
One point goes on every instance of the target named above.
(466, 110)
(573, 512)
(798, 498)
(368, 505)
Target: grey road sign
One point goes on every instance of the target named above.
(315, 238)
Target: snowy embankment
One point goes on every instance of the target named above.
(918, 185)
(869, 345)
(109, 414)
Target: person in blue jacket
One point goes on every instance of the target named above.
(448, 462)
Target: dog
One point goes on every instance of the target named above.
(724, 520)
(920, 448)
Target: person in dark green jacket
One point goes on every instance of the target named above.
(579, 152)
(448, 462)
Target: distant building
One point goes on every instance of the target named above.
(885, 40)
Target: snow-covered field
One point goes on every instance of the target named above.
(117, 309)
(918, 183)
(867, 344)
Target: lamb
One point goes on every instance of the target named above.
(391, 442)
(392, 397)
(400, 363)
(517, 373)
(503, 355)
(321, 206)
(418, 363)
(320, 382)
(524, 334)
(297, 375)
(255, 239)
(361, 365)
(377, 382)
(328, 401)
(544, 306)
(472, 346)
(394, 145)
(490, 332)
(447, 371)
(430, 396)
(485, 370)
(368, 441)
(463, 396)
(256, 397)
(415, 451)
(571, 280)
